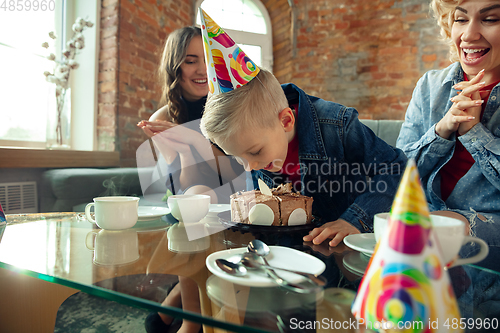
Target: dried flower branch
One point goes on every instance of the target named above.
(63, 67)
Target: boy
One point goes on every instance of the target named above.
(281, 134)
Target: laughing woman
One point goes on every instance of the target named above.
(452, 125)
(190, 157)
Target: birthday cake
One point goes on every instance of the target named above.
(283, 208)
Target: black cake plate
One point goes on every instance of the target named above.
(225, 219)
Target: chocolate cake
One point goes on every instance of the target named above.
(283, 208)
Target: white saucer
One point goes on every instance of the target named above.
(361, 242)
(149, 213)
(356, 262)
(279, 256)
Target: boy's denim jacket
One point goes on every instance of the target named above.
(479, 189)
(350, 172)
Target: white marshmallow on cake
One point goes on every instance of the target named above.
(297, 217)
(261, 214)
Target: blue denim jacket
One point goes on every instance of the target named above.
(350, 172)
(479, 189)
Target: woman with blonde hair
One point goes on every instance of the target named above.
(452, 124)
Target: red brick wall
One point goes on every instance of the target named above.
(364, 54)
(132, 36)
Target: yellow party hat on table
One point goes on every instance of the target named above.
(405, 287)
(228, 67)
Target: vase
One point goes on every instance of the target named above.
(58, 135)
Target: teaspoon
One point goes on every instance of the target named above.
(248, 260)
(231, 267)
(239, 270)
(261, 249)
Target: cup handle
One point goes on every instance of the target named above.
(483, 252)
(90, 240)
(87, 212)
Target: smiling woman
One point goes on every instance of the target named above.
(476, 35)
(452, 125)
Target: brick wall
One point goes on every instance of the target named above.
(132, 37)
(364, 54)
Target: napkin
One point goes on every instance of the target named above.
(405, 288)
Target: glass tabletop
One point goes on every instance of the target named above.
(141, 265)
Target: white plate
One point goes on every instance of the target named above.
(356, 262)
(361, 242)
(148, 213)
(279, 256)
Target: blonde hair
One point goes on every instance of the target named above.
(170, 74)
(257, 103)
(443, 11)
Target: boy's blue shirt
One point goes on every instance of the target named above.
(479, 189)
(350, 172)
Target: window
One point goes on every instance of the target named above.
(26, 96)
(248, 24)
(24, 99)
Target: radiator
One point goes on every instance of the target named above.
(19, 198)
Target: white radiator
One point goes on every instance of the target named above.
(19, 198)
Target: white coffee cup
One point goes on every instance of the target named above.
(189, 208)
(113, 247)
(114, 213)
(450, 233)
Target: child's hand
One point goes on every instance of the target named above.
(335, 230)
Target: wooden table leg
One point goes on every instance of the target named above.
(28, 304)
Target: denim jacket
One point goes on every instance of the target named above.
(479, 189)
(350, 172)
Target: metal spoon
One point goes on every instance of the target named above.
(231, 268)
(249, 261)
(237, 269)
(261, 249)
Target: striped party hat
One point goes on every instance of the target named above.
(228, 67)
(405, 287)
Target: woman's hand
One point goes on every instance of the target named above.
(151, 128)
(465, 112)
(163, 140)
(335, 230)
(183, 134)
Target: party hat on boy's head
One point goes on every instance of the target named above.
(405, 288)
(228, 67)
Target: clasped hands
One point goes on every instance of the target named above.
(171, 138)
(465, 112)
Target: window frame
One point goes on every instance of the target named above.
(83, 121)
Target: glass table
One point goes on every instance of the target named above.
(140, 265)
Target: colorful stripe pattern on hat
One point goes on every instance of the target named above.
(405, 287)
(228, 67)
